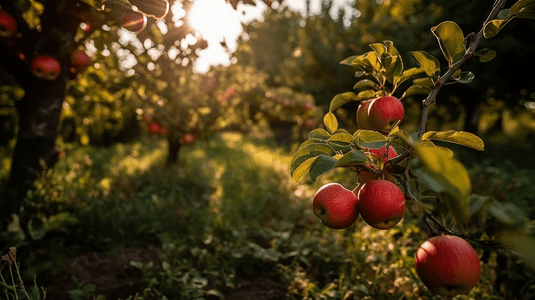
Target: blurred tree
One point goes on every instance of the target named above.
(55, 29)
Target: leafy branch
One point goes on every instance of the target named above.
(473, 41)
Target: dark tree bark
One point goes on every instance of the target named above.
(173, 151)
(39, 110)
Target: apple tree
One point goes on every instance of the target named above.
(40, 43)
(414, 175)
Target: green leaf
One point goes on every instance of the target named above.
(503, 13)
(369, 139)
(424, 82)
(366, 63)
(492, 28)
(524, 246)
(36, 228)
(347, 61)
(319, 134)
(521, 6)
(311, 150)
(303, 168)
(428, 62)
(363, 84)
(451, 174)
(416, 90)
(341, 137)
(407, 74)
(403, 135)
(451, 40)
(457, 137)
(464, 77)
(330, 122)
(486, 55)
(394, 68)
(507, 214)
(342, 98)
(390, 48)
(353, 158)
(380, 49)
(321, 165)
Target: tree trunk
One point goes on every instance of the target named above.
(39, 111)
(174, 151)
(471, 119)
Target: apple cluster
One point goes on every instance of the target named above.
(43, 66)
(446, 264)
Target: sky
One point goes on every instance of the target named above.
(217, 21)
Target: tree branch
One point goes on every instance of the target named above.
(472, 46)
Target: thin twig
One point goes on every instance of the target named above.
(472, 46)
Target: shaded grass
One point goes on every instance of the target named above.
(230, 213)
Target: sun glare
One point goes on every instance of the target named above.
(214, 19)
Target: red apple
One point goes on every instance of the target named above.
(309, 123)
(335, 206)
(8, 25)
(381, 153)
(132, 20)
(188, 139)
(79, 59)
(380, 113)
(45, 67)
(381, 203)
(448, 265)
(366, 174)
(154, 128)
(156, 8)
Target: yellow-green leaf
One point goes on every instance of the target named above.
(330, 122)
(492, 28)
(308, 151)
(428, 62)
(457, 137)
(341, 99)
(451, 40)
(369, 139)
(451, 174)
(341, 137)
(353, 158)
(303, 168)
(319, 134)
(321, 165)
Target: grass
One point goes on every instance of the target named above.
(229, 217)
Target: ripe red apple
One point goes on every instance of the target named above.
(381, 153)
(8, 25)
(309, 123)
(45, 67)
(132, 20)
(448, 265)
(154, 128)
(79, 59)
(335, 206)
(157, 8)
(188, 139)
(381, 203)
(380, 113)
(366, 174)
(362, 114)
